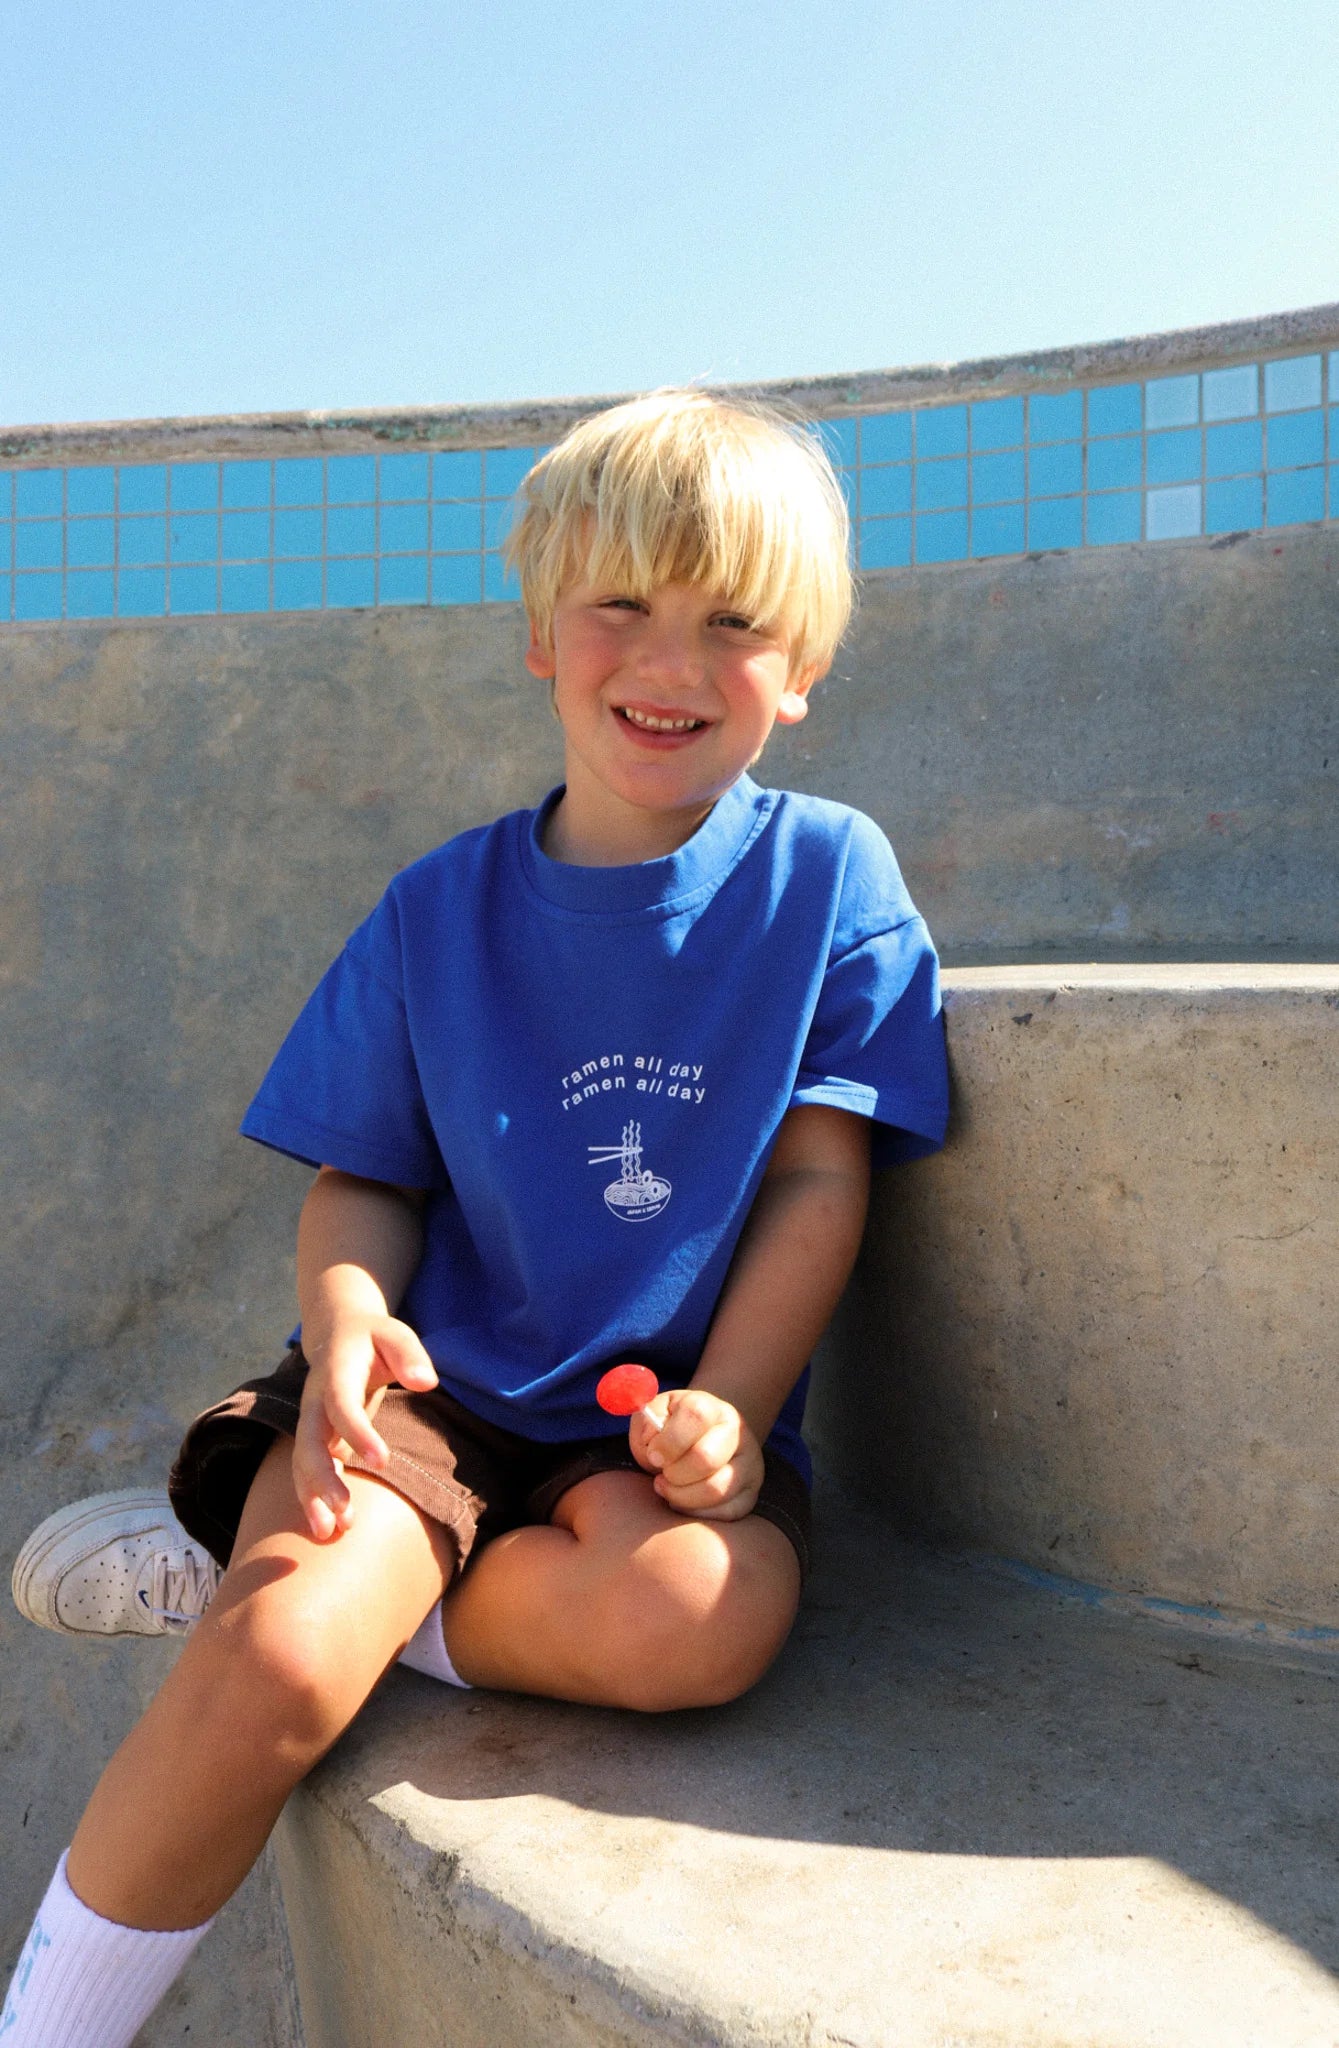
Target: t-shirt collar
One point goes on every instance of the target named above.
(706, 858)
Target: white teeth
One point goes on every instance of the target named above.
(654, 724)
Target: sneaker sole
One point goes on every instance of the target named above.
(61, 1530)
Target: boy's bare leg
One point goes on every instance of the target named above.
(619, 1602)
(295, 1640)
(622, 1602)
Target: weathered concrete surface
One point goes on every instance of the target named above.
(958, 1815)
(1114, 754)
(1122, 754)
(191, 821)
(1097, 1332)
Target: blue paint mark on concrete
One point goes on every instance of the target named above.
(1181, 1607)
(1055, 1582)
(1200, 1616)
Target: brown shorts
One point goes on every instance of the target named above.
(463, 1472)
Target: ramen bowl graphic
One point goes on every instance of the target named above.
(637, 1194)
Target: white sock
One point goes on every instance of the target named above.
(84, 1982)
(426, 1652)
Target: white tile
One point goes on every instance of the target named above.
(1232, 393)
(1292, 384)
(1172, 402)
(1174, 514)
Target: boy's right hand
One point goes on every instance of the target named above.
(350, 1370)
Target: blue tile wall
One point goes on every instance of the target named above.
(1055, 471)
(1055, 416)
(884, 437)
(302, 533)
(1234, 505)
(1114, 516)
(1115, 464)
(1246, 446)
(940, 486)
(1115, 409)
(885, 490)
(1055, 523)
(941, 430)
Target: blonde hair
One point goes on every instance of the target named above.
(679, 487)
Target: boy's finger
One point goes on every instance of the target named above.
(685, 1422)
(346, 1416)
(732, 1510)
(404, 1358)
(727, 1496)
(645, 1429)
(703, 1454)
(318, 1479)
(320, 1520)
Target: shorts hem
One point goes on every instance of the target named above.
(515, 1480)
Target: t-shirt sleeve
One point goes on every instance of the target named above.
(876, 1040)
(344, 1089)
(876, 1044)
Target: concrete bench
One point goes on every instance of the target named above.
(961, 1813)
(986, 1806)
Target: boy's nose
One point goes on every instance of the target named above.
(671, 652)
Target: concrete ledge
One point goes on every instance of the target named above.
(541, 419)
(1097, 1333)
(959, 1814)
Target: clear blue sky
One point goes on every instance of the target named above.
(219, 205)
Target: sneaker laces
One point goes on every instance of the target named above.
(179, 1586)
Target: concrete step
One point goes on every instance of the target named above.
(962, 1812)
(1097, 1332)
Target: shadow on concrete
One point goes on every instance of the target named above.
(930, 1706)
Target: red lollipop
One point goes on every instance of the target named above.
(625, 1389)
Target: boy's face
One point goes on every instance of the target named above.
(664, 701)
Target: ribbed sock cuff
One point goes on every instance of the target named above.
(85, 1982)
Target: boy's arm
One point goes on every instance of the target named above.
(793, 1260)
(359, 1242)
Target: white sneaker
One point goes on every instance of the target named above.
(116, 1564)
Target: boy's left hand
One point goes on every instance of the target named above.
(707, 1461)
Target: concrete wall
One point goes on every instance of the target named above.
(1118, 755)
(1096, 1333)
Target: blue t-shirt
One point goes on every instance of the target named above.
(586, 1069)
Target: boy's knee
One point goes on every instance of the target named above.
(278, 1680)
(694, 1628)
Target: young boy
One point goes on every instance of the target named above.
(594, 1082)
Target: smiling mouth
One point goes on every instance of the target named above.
(650, 721)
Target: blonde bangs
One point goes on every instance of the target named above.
(679, 487)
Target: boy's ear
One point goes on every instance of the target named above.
(539, 656)
(794, 702)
